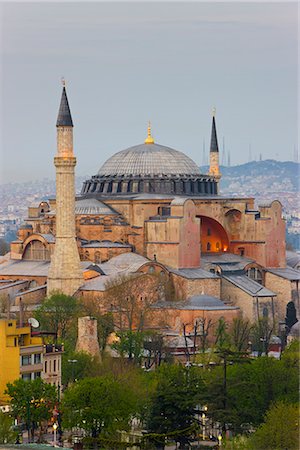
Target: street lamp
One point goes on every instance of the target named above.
(54, 436)
(220, 439)
(203, 426)
(72, 361)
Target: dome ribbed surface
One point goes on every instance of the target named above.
(149, 159)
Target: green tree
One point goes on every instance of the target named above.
(32, 402)
(172, 408)
(7, 434)
(240, 334)
(78, 365)
(251, 388)
(58, 314)
(100, 406)
(261, 333)
(130, 344)
(291, 355)
(280, 431)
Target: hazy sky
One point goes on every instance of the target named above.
(126, 63)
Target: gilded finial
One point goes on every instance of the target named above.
(63, 81)
(214, 111)
(149, 139)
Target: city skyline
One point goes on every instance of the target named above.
(127, 63)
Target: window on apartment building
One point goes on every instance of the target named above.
(26, 376)
(37, 358)
(46, 363)
(10, 324)
(54, 365)
(58, 365)
(36, 375)
(26, 360)
(15, 342)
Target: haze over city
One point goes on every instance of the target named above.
(126, 63)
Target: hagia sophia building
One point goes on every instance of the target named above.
(150, 210)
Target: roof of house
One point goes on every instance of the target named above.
(249, 286)
(193, 274)
(196, 302)
(287, 272)
(292, 259)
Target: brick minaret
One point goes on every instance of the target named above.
(64, 273)
(214, 168)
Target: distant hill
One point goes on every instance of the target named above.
(257, 176)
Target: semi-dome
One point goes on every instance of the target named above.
(149, 160)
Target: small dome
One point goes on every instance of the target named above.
(149, 159)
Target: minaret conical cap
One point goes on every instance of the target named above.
(214, 140)
(64, 118)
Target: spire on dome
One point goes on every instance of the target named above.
(149, 139)
(214, 140)
(64, 118)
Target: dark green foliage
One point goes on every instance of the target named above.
(100, 406)
(130, 344)
(32, 401)
(78, 365)
(291, 318)
(7, 433)
(58, 314)
(251, 388)
(172, 408)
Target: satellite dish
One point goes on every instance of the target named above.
(33, 322)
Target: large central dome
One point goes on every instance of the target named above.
(149, 160)
(149, 168)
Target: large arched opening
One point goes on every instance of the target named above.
(36, 250)
(214, 238)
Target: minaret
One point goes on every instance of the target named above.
(214, 168)
(65, 274)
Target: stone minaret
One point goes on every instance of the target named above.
(65, 274)
(214, 168)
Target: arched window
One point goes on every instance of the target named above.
(86, 255)
(208, 232)
(218, 246)
(151, 269)
(208, 246)
(36, 250)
